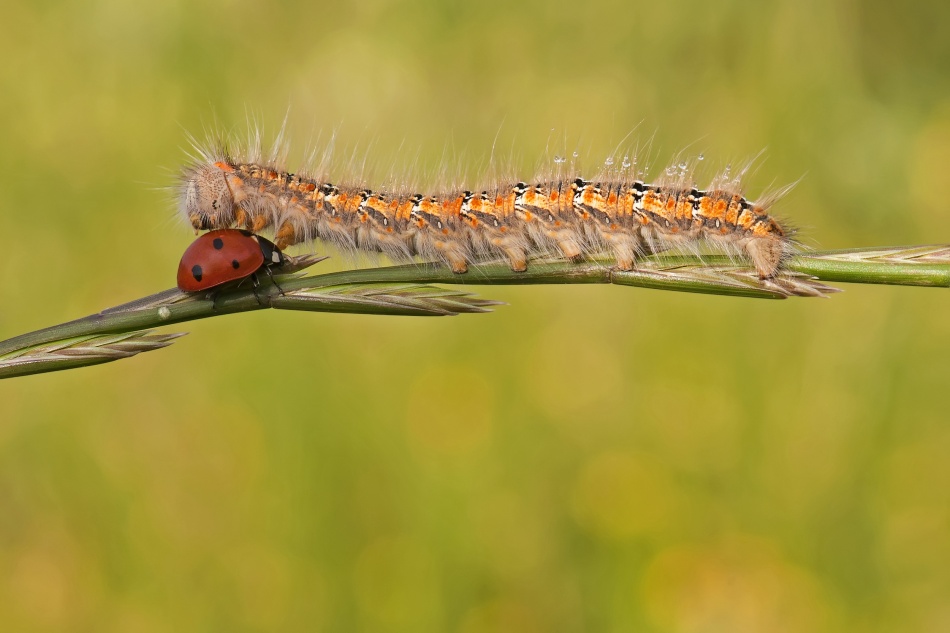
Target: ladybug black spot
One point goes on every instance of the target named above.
(235, 264)
(218, 243)
(196, 272)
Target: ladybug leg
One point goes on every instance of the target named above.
(254, 285)
(213, 295)
(274, 281)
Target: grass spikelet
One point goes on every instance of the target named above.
(82, 351)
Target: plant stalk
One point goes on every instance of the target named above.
(407, 290)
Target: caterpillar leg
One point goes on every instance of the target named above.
(766, 254)
(624, 255)
(514, 249)
(241, 219)
(458, 265)
(570, 249)
(625, 249)
(517, 259)
(254, 224)
(285, 236)
(453, 255)
(260, 223)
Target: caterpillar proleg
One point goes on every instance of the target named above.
(615, 214)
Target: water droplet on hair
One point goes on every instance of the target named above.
(626, 162)
(609, 161)
(700, 157)
(559, 160)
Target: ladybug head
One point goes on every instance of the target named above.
(207, 201)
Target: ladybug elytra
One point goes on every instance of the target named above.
(224, 255)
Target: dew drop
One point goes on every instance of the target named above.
(559, 160)
(626, 162)
(609, 162)
(575, 154)
(700, 157)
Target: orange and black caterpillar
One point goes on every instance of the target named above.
(571, 217)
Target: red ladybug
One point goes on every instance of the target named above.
(224, 255)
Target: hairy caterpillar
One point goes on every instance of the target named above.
(615, 214)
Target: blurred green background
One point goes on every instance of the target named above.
(583, 459)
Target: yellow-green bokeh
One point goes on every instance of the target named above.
(583, 459)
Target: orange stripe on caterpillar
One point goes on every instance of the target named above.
(573, 218)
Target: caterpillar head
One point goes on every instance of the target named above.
(207, 201)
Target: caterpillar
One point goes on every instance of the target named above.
(617, 215)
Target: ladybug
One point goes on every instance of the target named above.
(224, 255)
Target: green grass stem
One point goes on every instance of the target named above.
(408, 290)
